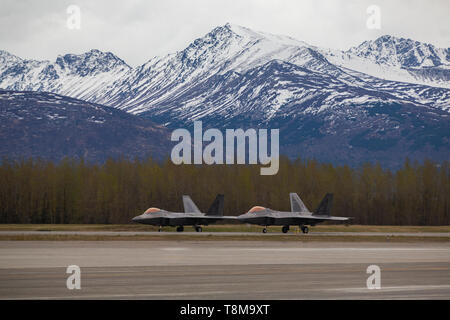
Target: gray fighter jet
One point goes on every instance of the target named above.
(299, 215)
(191, 216)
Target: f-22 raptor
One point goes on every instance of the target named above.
(191, 216)
(299, 215)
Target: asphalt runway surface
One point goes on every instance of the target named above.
(291, 233)
(223, 270)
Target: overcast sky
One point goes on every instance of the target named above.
(137, 30)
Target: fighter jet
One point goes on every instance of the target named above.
(299, 215)
(191, 216)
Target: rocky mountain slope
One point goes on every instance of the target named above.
(51, 126)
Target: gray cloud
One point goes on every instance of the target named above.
(137, 30)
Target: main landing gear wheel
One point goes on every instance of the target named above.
(180, 229)
(264, 230)
(304, 229)
(285, 229)
(198, 229)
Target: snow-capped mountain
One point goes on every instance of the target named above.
(7, 60)
(397, 59)
(79, 76)
(104, 78)
(383, 100)
(404, 53)
(224, 49)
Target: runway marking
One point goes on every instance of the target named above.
(174, 249)
(338, 249)
(102, 296)
(393, 288)
(190, 293)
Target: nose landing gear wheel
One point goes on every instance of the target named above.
(285, 229)
(180, 229)
(304, 229)
(264, 230)
(159, 229)
(198, 229)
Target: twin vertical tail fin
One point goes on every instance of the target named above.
(297, 204)
(216, 208)
(189, 205)
(324, 208)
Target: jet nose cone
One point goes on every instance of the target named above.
(136, 219)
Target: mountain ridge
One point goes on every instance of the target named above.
(236, 77)
(51, 126)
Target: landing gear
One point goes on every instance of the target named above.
(264, 230)
(180, 229)
(198, 229)
(285, 229)
(304, 229)
(159, 229)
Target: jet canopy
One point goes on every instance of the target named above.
(152, 210)
(256, 209)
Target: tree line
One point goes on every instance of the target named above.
(73, 191)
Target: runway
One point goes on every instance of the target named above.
(162, 234)
(223, 270)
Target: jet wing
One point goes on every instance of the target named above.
(317, 218)
(298, 220)
(329, 218)
(214, 217)
(197, 219)
(210, 219)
